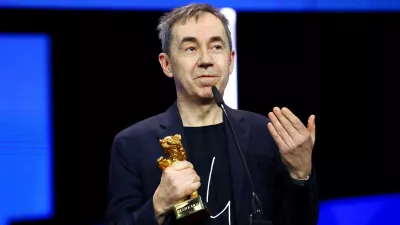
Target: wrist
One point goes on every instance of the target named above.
(301, 175)
(159, 209)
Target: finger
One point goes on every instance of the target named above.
(196, 178)
(188, 178)
(192, 187)
(287, 125)
(181, 165)
(190, 174)
(294, 120)
(280, 129)
(279, 141)
(311, 127)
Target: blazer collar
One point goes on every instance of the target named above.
(171, 123)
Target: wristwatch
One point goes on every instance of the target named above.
(301, 182)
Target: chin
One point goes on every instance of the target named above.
(206, 92)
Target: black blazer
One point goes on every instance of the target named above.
(134, 175)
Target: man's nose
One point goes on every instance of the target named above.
(205, 60)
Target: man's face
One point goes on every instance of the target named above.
(199, 57)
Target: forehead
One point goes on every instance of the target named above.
(204, 26)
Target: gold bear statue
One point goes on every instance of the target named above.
(174, 150)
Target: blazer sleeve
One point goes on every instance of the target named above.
(126, 205)
(297, 204)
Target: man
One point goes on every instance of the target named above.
(197, 54)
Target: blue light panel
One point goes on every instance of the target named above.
(25, 128)
(367, 210)
(251, 5)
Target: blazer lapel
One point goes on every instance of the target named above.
(171, 123)
(238, 172)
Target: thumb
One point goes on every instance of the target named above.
(311, 127)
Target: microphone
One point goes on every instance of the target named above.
(255, 201)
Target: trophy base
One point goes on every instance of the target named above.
(191, 210)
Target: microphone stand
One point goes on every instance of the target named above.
(255, 201)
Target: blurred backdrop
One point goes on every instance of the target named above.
(74, 73)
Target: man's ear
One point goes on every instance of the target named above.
(165, 64)
(232, 61)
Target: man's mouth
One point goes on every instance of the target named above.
(207, 76)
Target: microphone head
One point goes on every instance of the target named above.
(217, 96)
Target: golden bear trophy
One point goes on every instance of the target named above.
(192, 207)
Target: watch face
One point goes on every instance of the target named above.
(299, 182)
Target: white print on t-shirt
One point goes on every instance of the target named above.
(228, 205)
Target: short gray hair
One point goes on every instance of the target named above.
(182, 14)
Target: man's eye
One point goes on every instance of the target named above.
(191, 49)
(218, 47)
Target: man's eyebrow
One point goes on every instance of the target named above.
(217, 38)
(193, 39)
(188, 39)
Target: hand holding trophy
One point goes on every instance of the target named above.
(179, 183)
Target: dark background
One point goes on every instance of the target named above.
(106, 76)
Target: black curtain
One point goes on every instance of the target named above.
(106, 76)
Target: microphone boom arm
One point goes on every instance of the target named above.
(255, 201)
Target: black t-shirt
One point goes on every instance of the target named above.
(206, 148)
